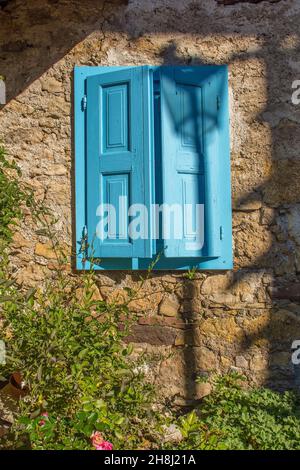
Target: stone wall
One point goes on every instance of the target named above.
(245, 319)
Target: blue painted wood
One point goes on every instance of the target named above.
(221, 171)
(190, 157)
(119, 159)
(149, 148)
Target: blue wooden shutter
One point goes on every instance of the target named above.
(119, 159)
(189, 110)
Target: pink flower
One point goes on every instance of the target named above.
(97, 438)
(42, 422)
(99, 443)
(106, 445)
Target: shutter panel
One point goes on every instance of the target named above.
(189, 110)
(119, 161)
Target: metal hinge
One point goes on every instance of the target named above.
(83, 103)
(221, 232)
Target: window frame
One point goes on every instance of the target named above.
(222, 263)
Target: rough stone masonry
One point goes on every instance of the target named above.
(246, 319)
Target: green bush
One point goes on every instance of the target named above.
(71, 355)
(251, 419)
(11, 197)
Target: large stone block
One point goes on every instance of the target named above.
(45, 250)
(169, 306)
(155, 335)
(51, 85)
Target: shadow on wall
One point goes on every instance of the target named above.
(276, 198)
(28, 29)
(36, 34)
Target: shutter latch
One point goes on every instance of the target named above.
(221, 232)
(83, 103)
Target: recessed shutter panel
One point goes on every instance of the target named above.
(119, 153)
(189, 119)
